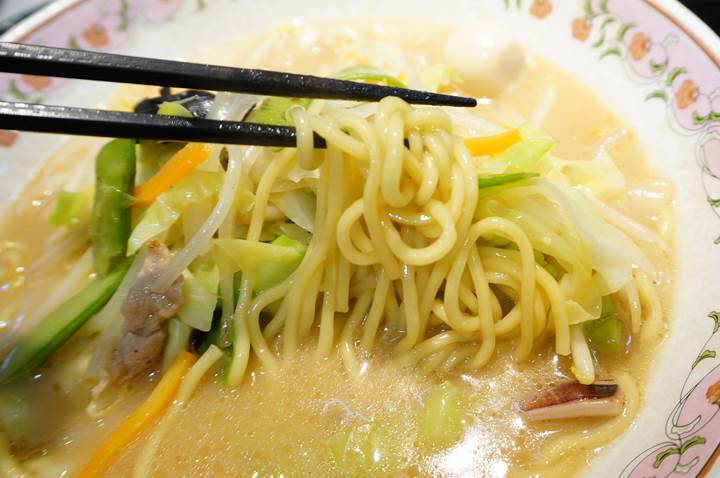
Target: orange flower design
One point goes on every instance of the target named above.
(541, 8)
(713, 393)
(96, 35)
(581, 28)
(37, 82)
(639, 46)
(687, 93)
(7, 138)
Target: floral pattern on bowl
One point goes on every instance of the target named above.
(668, 63)
(678, 71)
(87, 25)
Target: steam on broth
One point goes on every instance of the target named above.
(355, 411)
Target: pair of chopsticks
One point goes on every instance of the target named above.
(87, 65)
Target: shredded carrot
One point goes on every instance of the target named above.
(489, 145)
(141, 418)
(177, 167)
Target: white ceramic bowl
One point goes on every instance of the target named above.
(651, 61)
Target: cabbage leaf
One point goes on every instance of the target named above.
(200, 293)
(298, 205)
(162, 214)
(264, 264)
(369, 74)
(71, 208)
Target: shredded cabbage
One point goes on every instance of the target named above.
(441, 421)
(369, 74)
(273, 110)
(173, 108)
(299, 206)
(599, 176)
(200, 294)
(265, 264)
(366, 449)
(613, 254)
(293, 231)
(168, 207)
(72, 208)
(151, 155)
(178, 340)
(530, 154)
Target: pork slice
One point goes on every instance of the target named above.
(145, 312)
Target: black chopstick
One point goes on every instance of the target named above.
(117, 124)
(88, 65)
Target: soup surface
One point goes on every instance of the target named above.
(313, 418)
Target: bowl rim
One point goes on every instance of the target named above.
(684, 18)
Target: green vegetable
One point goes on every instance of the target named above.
(15, 417)
(265, 264)
(170, 205)
(200, 294)
(213, 336)
(173, 108)
(441, 422)
(366, 449)
(110, 220)
(152, 155)
(530, 154)
(49, 334)
(527, 155)
(550, 267)
(606, 335)
(608, 306)
(71, 208)
(502, 179)
(273, 110)
(293, 231)
(177, 341)
(369, 74)
(299, 206)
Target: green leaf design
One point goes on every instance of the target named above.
(658, 94)
(614, 51)
(715, 315)
(706, 354)
(622, 31)
(607, 22)
(16, 93)
(714, 202)
(518, 3)
(664, 454)
(599, 42)
(658, 67)
(507, 4)
(699, 120)
(124, 16)
(696, 440)
(587, 7)
(73, 43)
(672, 76)
(201, 4)
(604, 6)
(717, 240)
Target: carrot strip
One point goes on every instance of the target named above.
(177, 167)
(160, 398)
(489, 145)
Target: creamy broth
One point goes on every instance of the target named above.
(285, 425)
